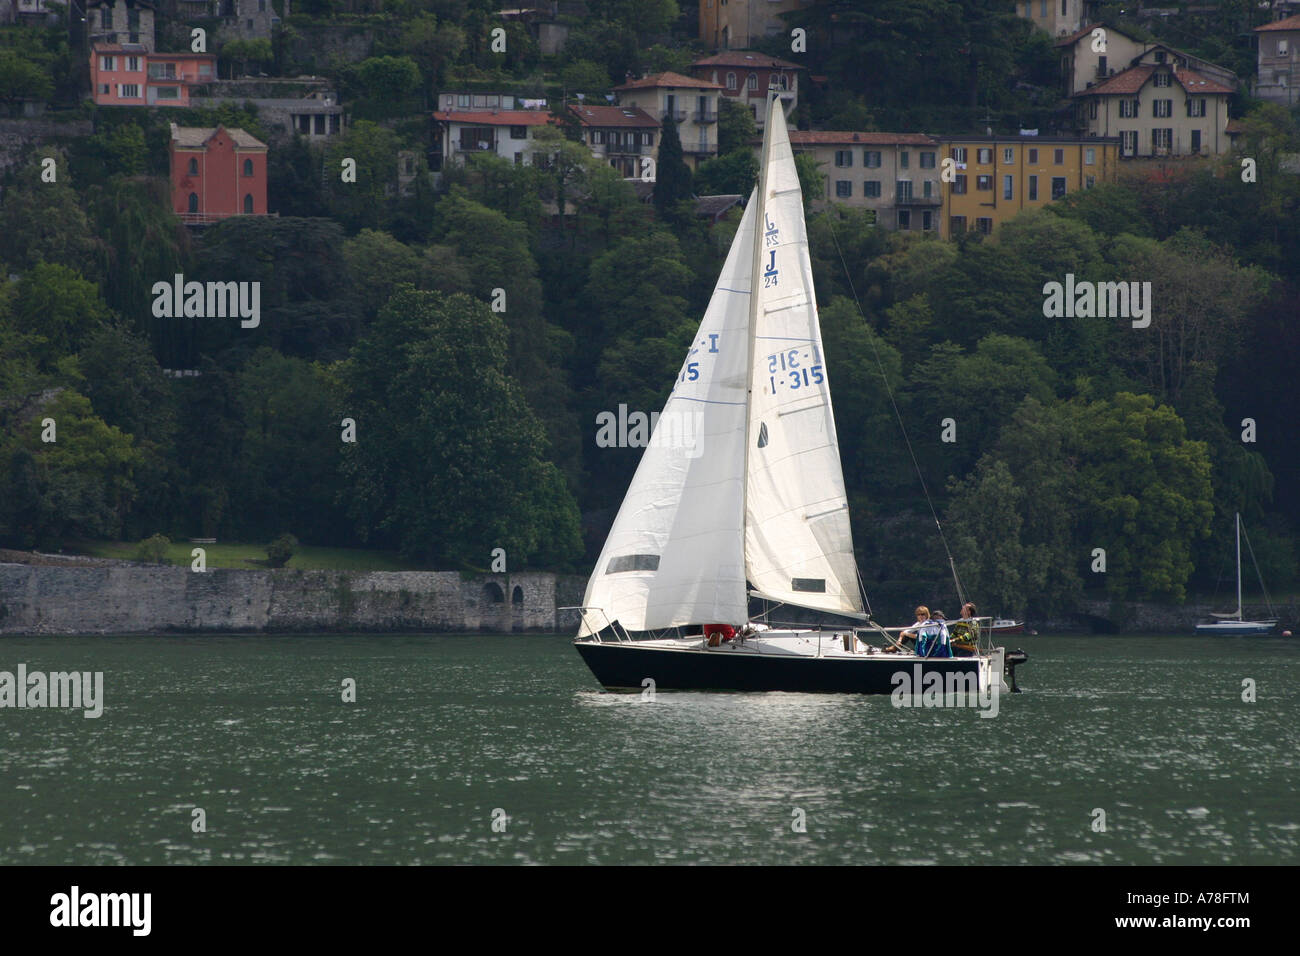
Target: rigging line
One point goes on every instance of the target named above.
(1258, 574)
(871, 335)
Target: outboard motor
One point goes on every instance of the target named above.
(1009, 663)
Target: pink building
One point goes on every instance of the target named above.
(130, 75)
(216, 173)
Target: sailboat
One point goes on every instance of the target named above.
(1232, 623)
(753, 504)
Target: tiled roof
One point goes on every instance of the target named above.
(194, 137)
(714, 206)
(1234, 126)
(612, 116)
(746, 59)
(829, 137)
(1290, 23)
(1128, 81)
(669, 80)
(1194, 82)
(495, 117)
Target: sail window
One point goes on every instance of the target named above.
(762, 435)
(817, 585)
(633, 562)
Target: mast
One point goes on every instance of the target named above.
(1238, 565)
(755, 271)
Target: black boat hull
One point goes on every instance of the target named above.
(624, 666)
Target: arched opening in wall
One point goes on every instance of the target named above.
(517, 596)
(194, 202)
(493, 594)
(248, 204)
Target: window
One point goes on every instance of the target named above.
(927, 160)
(904, 219)
(752, 82)
(1058, 157)
(106, 64)
(1008, 187)
(248, 167)
(1008, 155)
(194, 202)
(871, 188)
(927, 189)
(1160, 56)
(129, 91)
(984, 183)
(984, 225)
(1064, 11)
(1162, 108)
(843, 157)
(1128, 142)
(1282, 48)
(904, 159)
(1128, 109)
(959, 184)
(261, 6)
(871, 158)
(1162, 139)
(1101, 66)
(168, 93)
(133, 64)
(194, 166)
(731, 81)
(647, 139)
(1092, 108)
(782, 82)
(104, 89)
(1058, 187)
(162, 71)
(519, 158)
(205, 69)
(1033, 156)
(597, 137)
(1196, 141)
(927, 220)
(1090, 157)
(1161, 79)
(462, 100)
(1196, 107)
(843, 189)
(613, 138)
(1089, 182)
(1042, 8)
(248, 203)
(519, 132)
(959, 154)
(105, 18)
(956, 225)
(985, 156)
(903, 189)
(480, 101)
(1033, 188)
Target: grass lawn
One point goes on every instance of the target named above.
(253, 556)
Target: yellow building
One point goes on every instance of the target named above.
(992, 178)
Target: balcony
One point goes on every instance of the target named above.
(478, 146)
(626, 149)
(678, 116)
(705, 149)
(705, 116)
(907, 199)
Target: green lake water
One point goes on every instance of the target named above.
(447, 730)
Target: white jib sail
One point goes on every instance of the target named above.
(798, 544)
(674, 554)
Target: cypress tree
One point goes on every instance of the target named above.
(672, 175)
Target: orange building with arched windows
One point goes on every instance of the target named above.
(217, 173)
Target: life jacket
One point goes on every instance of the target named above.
(725, 632)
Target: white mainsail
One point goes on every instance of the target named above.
(705, 510)
(674, 554)
(798, 544)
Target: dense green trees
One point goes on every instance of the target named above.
(464, 470)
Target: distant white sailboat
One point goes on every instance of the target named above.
(756, 506)
(1230, 624)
